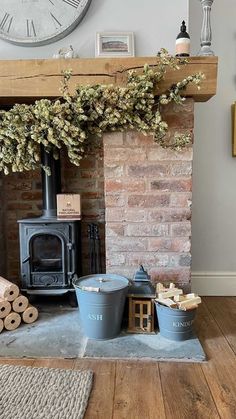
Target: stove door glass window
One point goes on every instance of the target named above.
(46, 252)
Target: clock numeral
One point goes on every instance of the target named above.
(55, 20)
(51, 2)
(73, 3)
(30, 28)
(6, 22)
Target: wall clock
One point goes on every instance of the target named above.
(39, 22)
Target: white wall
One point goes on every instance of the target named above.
(214, 175)
(154, 22)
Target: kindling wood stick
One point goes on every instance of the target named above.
(189, 302)
(8, 290)
(167, 302)
(5, 308)
(192, 307)
(184, 297)
(160, 288)
(20, 304)
(170, 293)
(12, 321)
(30, 314)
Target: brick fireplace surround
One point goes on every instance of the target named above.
(139, 193)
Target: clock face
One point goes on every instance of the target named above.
(39, 22)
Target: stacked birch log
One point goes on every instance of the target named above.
(14, 307)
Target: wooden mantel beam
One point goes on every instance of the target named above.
(27, 80)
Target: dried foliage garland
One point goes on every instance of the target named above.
(75, 121)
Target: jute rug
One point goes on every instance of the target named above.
(43, 393)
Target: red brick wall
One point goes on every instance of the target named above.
(22, 198)
(148, 202)
(88, 180)
(147, 197)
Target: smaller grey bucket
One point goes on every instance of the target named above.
(101, 300)
(175, 324)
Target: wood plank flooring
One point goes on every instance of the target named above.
(152, 390)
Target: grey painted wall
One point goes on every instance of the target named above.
(214, 181)
(155, 23)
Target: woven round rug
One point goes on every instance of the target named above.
(43, 393)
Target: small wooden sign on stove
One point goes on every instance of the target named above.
(68, 207)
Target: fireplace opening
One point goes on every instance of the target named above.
(50, 248)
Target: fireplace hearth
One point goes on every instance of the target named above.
(50, 249)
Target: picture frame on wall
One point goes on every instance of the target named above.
(114, 44)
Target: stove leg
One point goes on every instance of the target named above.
(32, 298)
(72, 299)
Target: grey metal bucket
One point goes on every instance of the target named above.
(175, 324)
(101, 300)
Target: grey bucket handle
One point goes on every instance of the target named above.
(90, 289)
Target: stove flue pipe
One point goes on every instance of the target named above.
(51, 185)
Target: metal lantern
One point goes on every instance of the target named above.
(141, 297)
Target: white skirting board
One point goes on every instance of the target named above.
(214, 283)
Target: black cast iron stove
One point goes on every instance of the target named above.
(50, 250)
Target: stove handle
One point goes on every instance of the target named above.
(71, 270)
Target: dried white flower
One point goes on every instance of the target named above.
(74, 121)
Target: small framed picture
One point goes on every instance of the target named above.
(114, 44)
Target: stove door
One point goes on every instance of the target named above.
(47, 261)
(46, 253)
(49, 254)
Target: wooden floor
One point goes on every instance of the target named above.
(151, 390)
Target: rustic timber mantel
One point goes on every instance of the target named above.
(27, 80)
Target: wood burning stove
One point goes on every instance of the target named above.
(50, 250)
